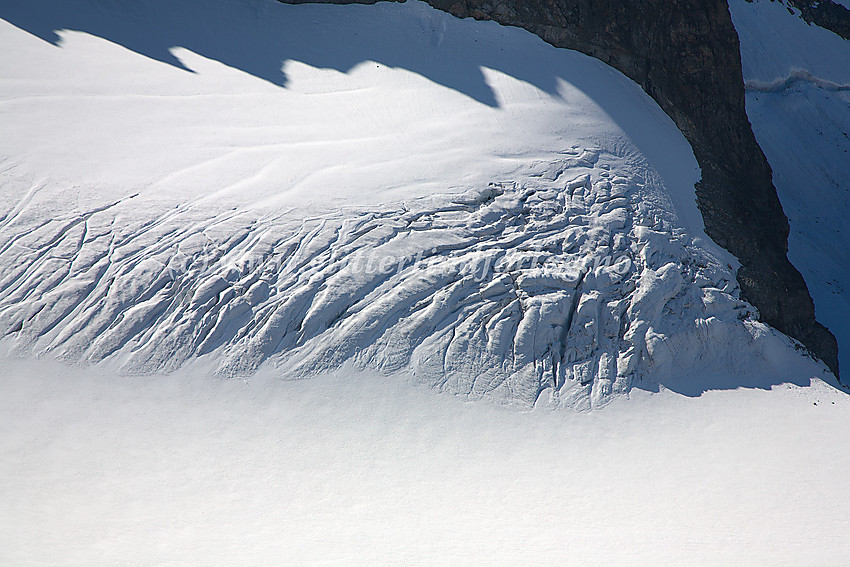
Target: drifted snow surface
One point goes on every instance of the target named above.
(389, 186)
(359, 469)
(798, 100)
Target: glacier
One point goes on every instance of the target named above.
(243, 243)
(538, 245)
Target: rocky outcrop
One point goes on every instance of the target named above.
(826, 14)
(686, 55)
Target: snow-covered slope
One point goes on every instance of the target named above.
(388, 185)
(358, 469)
(230, 186)
(798, 100)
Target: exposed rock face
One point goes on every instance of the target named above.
(826, 14)
(686, 55)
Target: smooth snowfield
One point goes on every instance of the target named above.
(385, 185)
(798, 100)
(359, 469)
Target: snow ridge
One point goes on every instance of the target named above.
(795, 78)
(567, 289)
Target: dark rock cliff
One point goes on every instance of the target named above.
(826, 14)
(685, 54)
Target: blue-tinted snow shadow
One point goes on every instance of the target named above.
(259, 36)
(694, 387)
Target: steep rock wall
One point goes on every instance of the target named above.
(826, 14)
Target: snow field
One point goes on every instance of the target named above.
(361, 469)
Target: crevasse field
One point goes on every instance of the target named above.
(306, 284)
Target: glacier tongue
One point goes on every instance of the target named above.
(567, 287)
(316, 210)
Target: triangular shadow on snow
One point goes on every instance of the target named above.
(259, 37)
